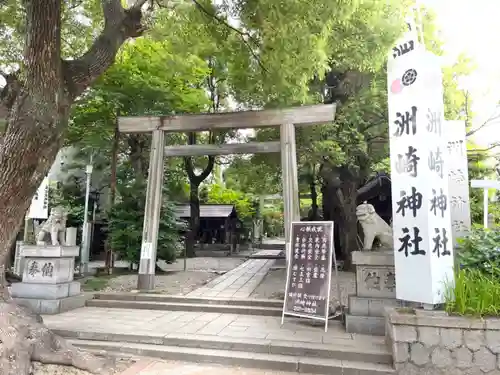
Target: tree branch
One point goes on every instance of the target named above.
(189, 165)
(208, 169)
(490, 119)
(119, 25)
(245, 37)
(477, 150)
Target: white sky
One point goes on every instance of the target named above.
(473, 26)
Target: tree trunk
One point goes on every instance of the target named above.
(110, 264)
(194, 220)
(138, 156)
(314, 202)
(38, 101)
(349, 227)
(339, 206)
(331, 213)
(194, 199)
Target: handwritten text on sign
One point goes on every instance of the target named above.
(309, 269)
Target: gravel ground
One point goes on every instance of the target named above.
(183, 368)
(214, 264)
(273, 286)
(177, 282)
(122, 364)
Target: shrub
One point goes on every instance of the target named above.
(476, 290)
(481, 251)
(125, 227)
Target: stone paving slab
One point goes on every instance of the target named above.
(217, 325)
(237, 283)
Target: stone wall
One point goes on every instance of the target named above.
(433, 343)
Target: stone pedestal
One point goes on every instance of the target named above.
(48, 286)
(375, 289)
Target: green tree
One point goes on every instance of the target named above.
(126, 220)
(343, 155)
(279, 49)
(244, 204)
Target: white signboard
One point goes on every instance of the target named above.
(147, 250)
(485, 184)
(39, 208)
(458, 179)
(423, 246)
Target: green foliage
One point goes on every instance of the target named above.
(149, 77)
(480, 250)
(255, 175)
(71, 196)
(80, 20)
(273, 222)
(126, 219)
(350, 140)
(476, 290)
(474, 293)
(218, 194)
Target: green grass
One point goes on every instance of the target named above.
(475, 293)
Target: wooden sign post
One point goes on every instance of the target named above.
(309, 272)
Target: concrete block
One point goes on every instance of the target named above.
(380, 258)
(474, 339)
(485, 360)
(49, 251)
(405, 333)
(73, 302)
(420, 353)
(51, 307)
(368, 306)
(375, 281)
(368, 325)
(45, 291)
(451, 338)
(48, 270)
(430, 336)
(358, 306)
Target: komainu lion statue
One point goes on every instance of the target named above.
(55, 225)
(374, 227)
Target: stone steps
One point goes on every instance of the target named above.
(285, 357)
(144, 301)
(150, 297)
(343, 350)
(193, 307)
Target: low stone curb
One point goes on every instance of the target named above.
(244, 359)
(192, 307)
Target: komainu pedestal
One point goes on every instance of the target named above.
(47, 285)
(375, 289)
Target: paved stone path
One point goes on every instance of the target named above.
(205, 326)
(159, 367)
(266, 253)
(240, 282)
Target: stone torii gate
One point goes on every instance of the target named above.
(286, 119)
